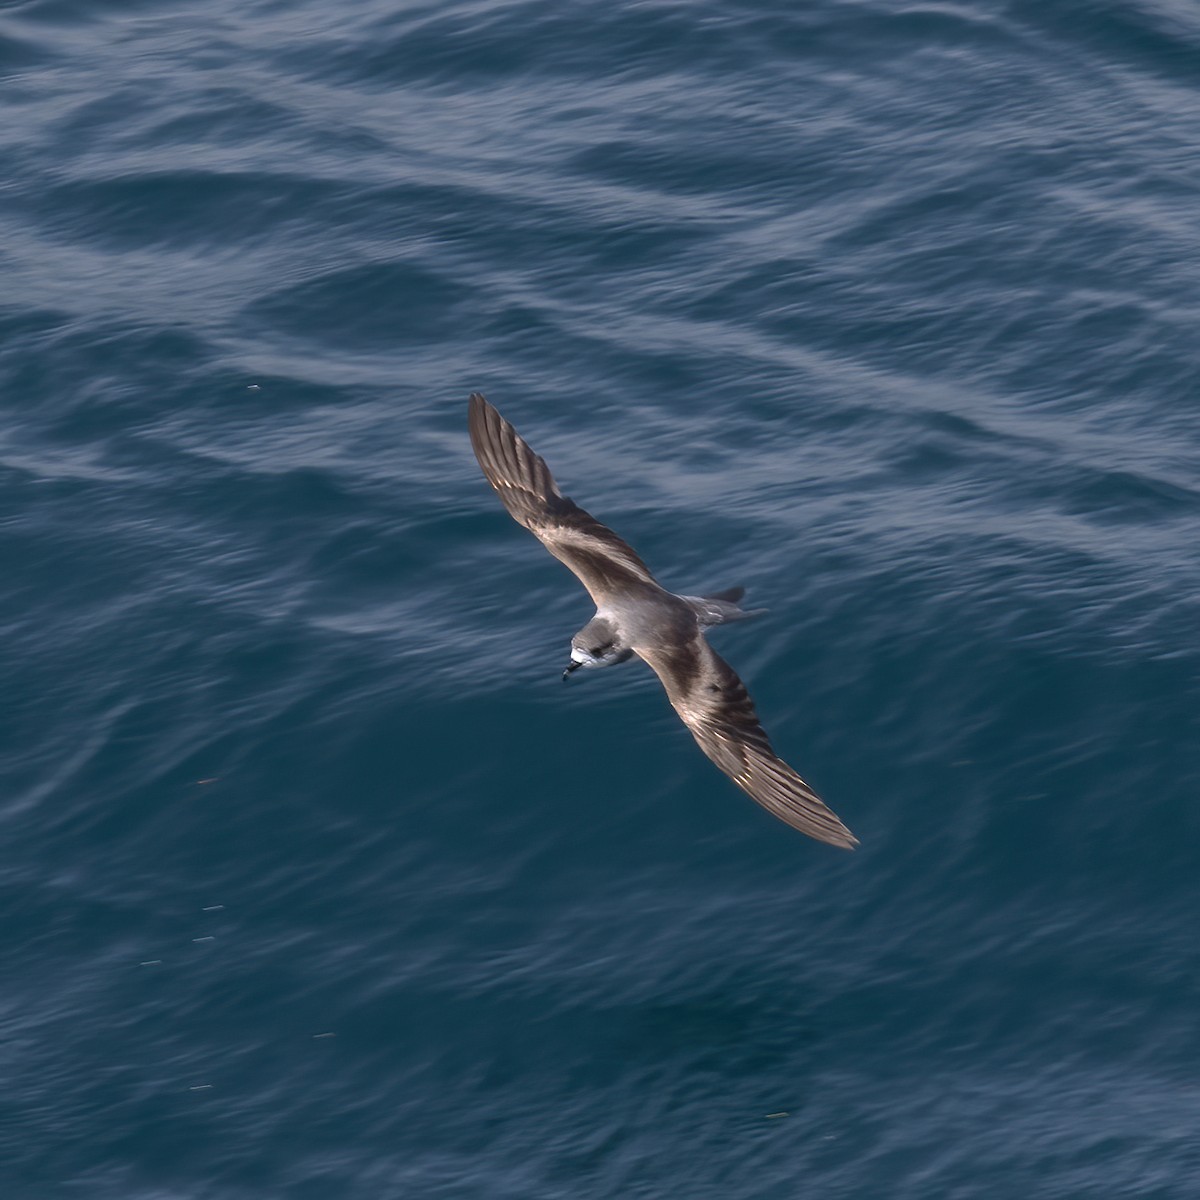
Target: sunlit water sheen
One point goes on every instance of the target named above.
(315, 880)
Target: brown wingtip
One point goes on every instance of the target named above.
(486, 427)
(767, 779)
(837, 836)
(828, 828)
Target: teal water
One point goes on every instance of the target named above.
(314, 879)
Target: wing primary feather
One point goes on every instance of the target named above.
(604, 562)
(714, 704)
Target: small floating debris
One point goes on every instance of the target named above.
(212, 908)
(323, 1035)
(151, 962)
(202, 782)
(776, 1116)
(197, 941)
(200, 1087)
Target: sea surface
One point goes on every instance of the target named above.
(316, 882)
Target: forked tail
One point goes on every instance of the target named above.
(722, 607)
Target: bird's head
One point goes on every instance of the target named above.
(596, 645)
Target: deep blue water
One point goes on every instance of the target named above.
(315, 881)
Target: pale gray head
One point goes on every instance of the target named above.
(597, 644)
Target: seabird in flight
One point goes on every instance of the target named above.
(635, 615)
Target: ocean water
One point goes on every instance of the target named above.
(315, 881)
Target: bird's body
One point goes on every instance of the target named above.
(635, 615)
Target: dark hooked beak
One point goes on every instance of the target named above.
(571, 666)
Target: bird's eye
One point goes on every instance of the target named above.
(599, 650)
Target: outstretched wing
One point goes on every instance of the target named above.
(603, 561)
(714, 704)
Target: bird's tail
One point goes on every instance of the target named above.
(722, 607)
